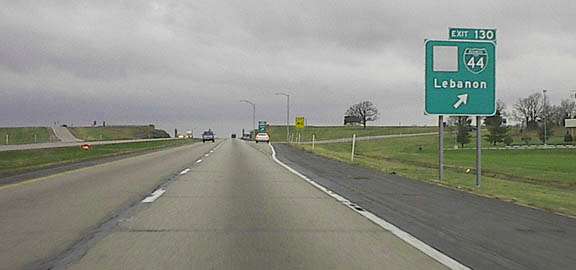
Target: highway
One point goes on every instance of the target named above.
(216, 206)
(240, 205)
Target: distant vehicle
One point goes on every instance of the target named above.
(233, 136)
(208, 136)
(246, 137)
(262, 137)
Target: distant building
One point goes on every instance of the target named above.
(350, 120)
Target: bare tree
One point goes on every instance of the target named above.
(529, 110)
(566, 110)
(365, 111)
(569, 107)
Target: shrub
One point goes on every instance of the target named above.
(568, 138)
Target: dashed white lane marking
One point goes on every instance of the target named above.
(185, 171)
(211, 151)
(198, 161)
(408, 238)
(206, 155)
(155, 195)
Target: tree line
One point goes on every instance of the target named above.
(534, 113)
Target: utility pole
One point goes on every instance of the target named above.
(253, 112)
(287, 114)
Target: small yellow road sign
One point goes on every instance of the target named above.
(300, 122)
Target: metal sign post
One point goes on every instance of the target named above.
(478, 152)
(440, 148)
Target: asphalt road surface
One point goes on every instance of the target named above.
(481, 233)
(234, 209)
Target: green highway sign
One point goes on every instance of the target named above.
(262, 126)
(460, 78)
(472, 34)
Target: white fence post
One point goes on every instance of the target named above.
(313, 140)
(353, 146)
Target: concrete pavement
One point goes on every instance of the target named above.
(64, 135)
(41, 218)
(237, 209)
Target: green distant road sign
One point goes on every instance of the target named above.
(262, 126)
(460, 78)
(472, 34)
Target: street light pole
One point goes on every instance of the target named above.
(545, 116)
(287, 114)
(253, 112)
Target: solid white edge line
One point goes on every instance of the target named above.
(406, 237)
(155, 195)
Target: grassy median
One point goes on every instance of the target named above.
(19, 161)
(117, 133)
(540, 178)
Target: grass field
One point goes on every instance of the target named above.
(26, 135)
(540, 178)
(117, 133)
(14, 162)
(556, 137)
(278, 133)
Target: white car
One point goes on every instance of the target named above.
(262, 137)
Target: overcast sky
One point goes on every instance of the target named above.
(188, 63)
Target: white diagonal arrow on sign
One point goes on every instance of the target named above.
(462, 99)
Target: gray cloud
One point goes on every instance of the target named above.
(183, 64)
